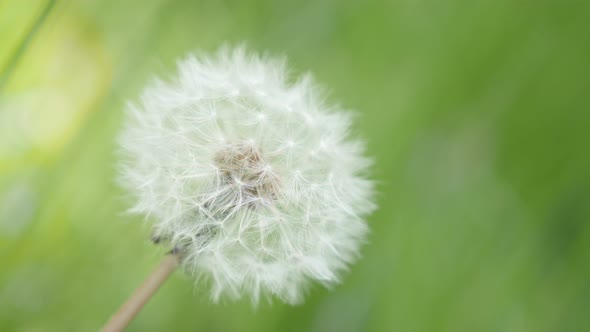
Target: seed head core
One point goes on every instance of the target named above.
(243, 166)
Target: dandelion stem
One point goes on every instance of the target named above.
(121, 319)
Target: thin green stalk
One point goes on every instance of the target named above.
(20, 50)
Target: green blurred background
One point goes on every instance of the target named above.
(476, 112)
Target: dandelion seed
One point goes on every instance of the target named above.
(252, 176)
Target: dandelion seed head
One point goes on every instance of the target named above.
(250, 174)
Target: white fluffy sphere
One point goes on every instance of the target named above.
(252, 177)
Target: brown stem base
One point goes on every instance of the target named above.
(121, 319)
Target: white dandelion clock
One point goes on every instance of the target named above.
(252, 177)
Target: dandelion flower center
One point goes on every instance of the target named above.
(243, 167)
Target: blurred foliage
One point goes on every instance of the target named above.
(476, 112)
